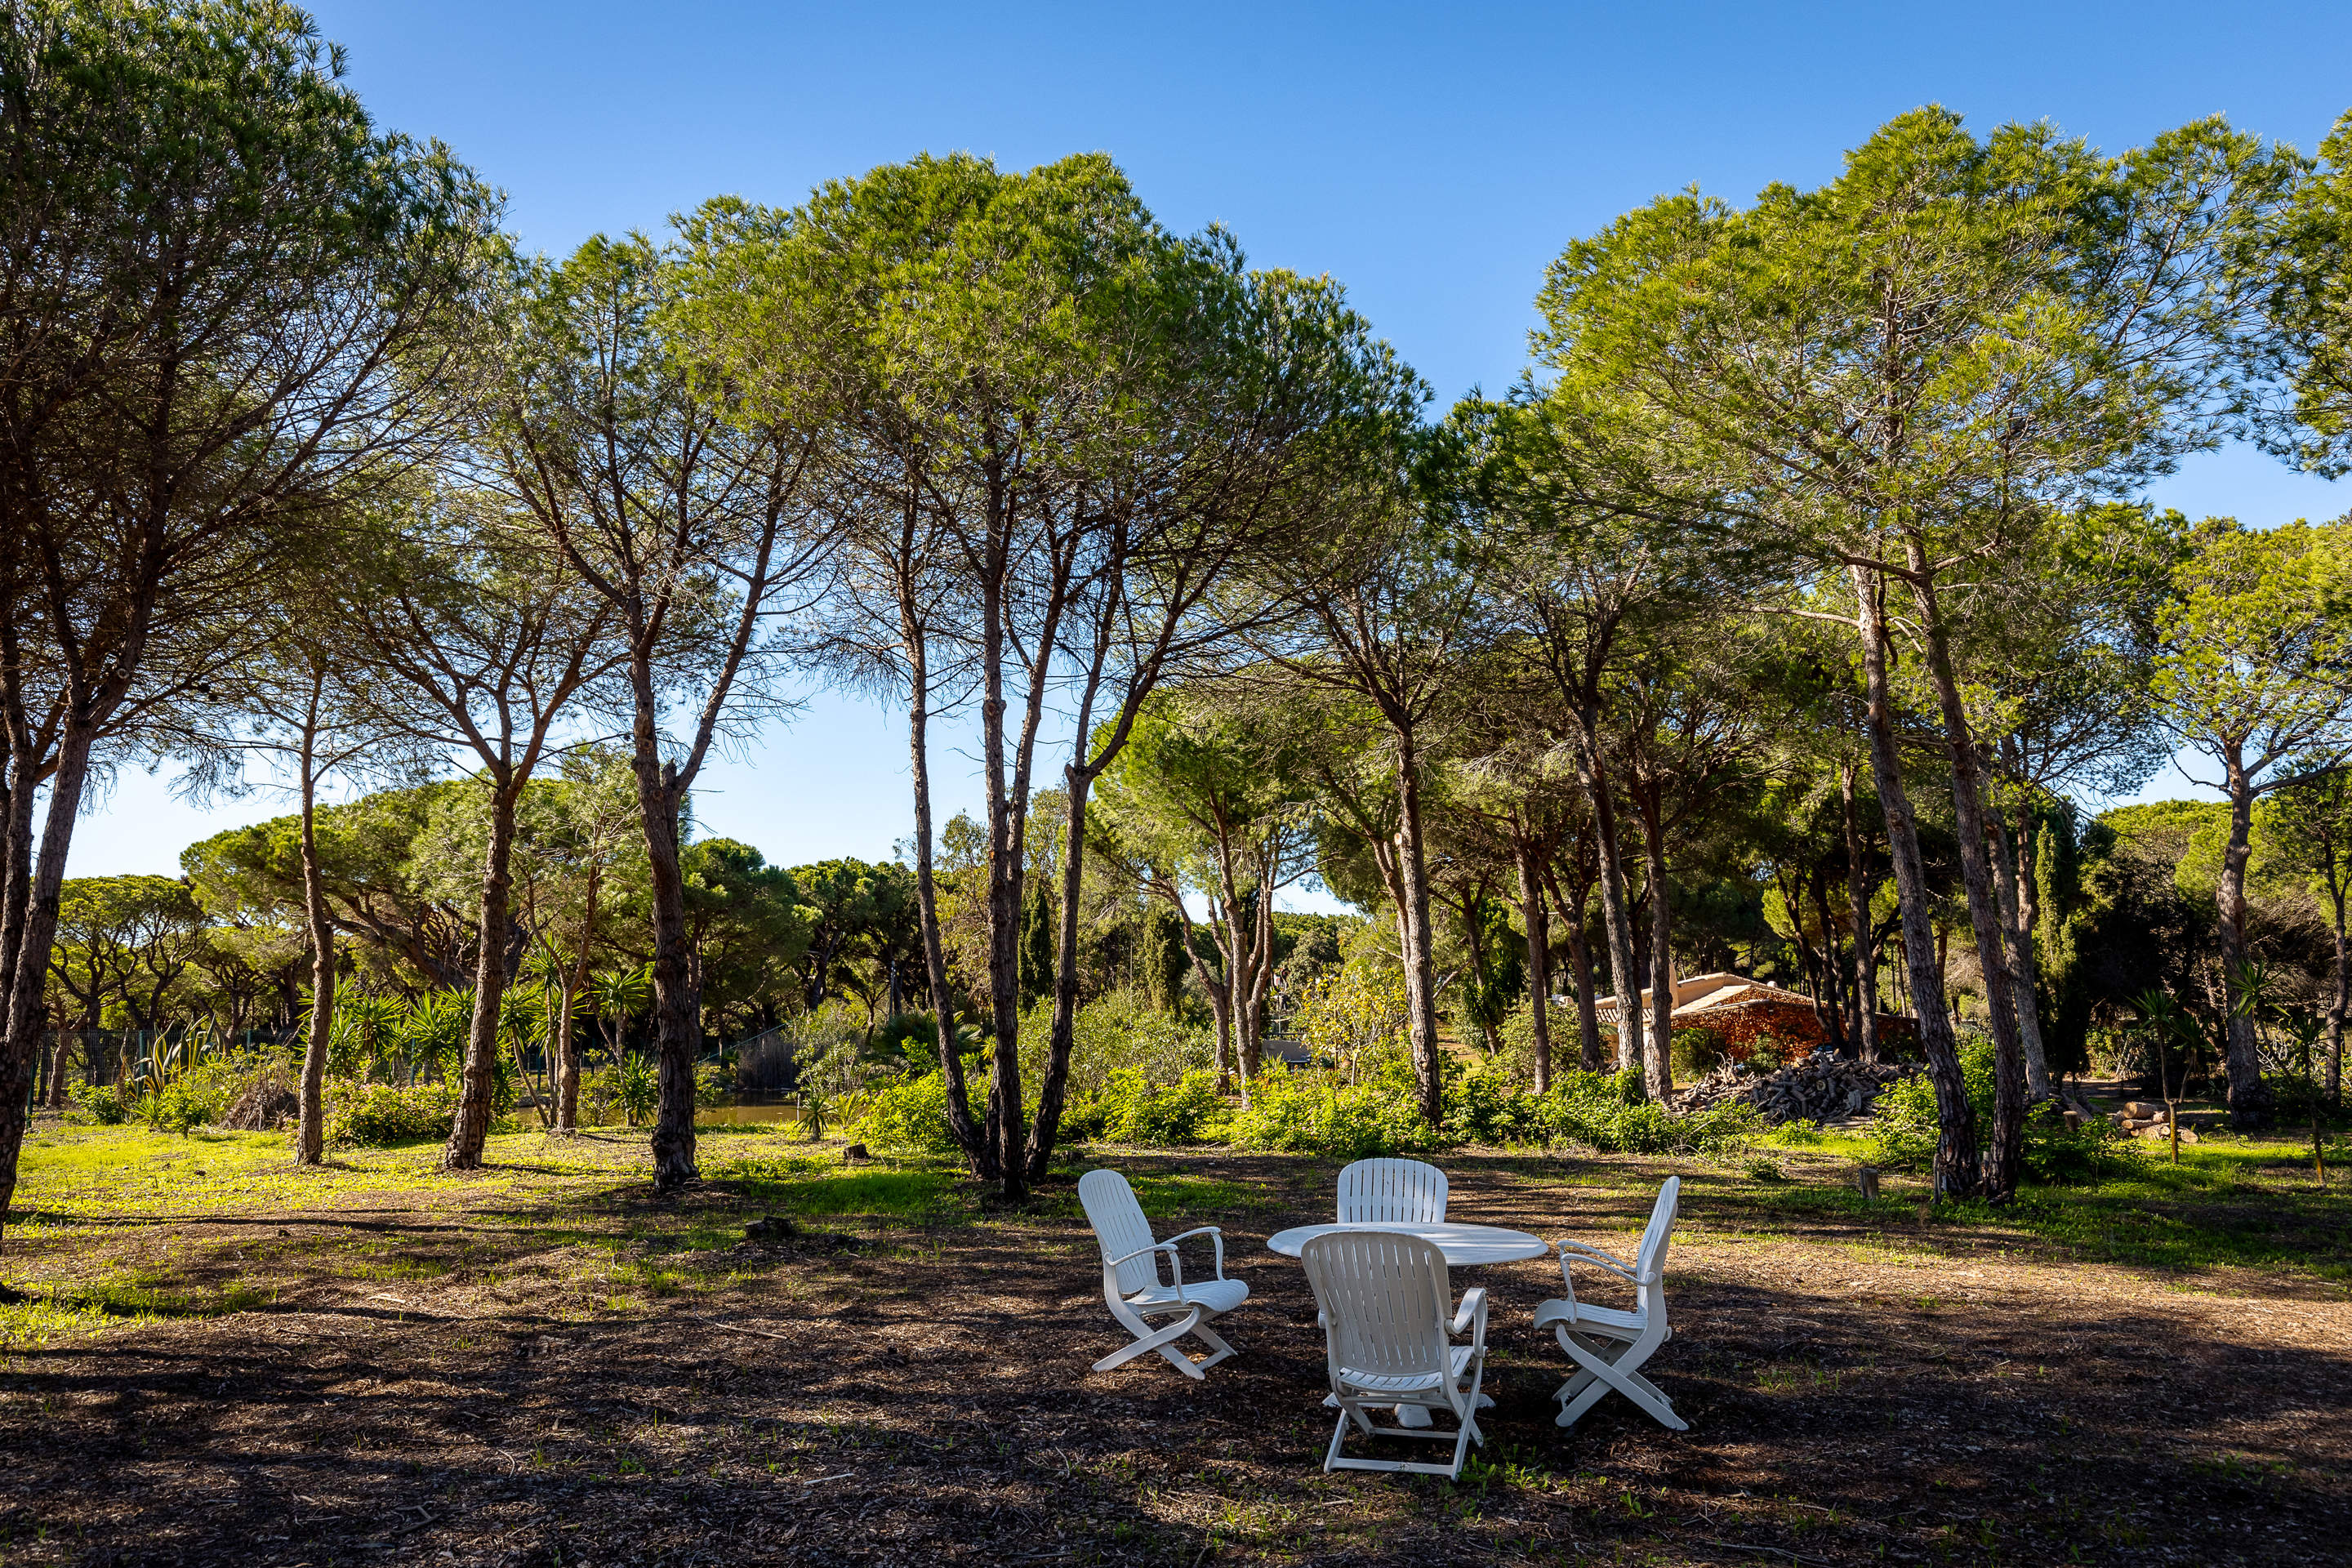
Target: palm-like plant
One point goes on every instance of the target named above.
(434, 1028)
(617, 994)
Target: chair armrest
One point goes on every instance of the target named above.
(1155, 1246)
(1577, 1252)
(1473, 1310)
(1216, 1236)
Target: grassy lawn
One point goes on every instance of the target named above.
(544, 1363)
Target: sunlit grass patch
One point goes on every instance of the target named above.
(32, 1318)
(96, 1174)
(806, 1184)
(37, 1322)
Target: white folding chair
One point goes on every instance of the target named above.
(1392, 1192)
(1389, 1322)
(1610, 1345)
(1133, 1288)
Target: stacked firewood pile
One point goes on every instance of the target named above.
(1821, 1088)
(2148, 1118)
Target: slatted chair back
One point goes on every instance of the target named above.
(1392, 1192)
(1650, 1263)
(1385, 1299)
(1119, 1228)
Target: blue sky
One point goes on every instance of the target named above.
(1431, 158)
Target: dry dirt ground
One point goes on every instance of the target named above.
(480, 1372)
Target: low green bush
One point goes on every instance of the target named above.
(627, 1085)
(1318, 1112)
(910, 1116)
(101, 1103)
(1131, 1108)
(1606, 1112)
(375, 1115)
(181, 1106)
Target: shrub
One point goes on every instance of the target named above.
(627, 1085)
(1318, 1112)
(1605, 1111)
(379, 1114)
(101, 1103)
(910, 1116)
(1515, 1041)
(1695, 1053)
(1110, 1036)
(1903, 1134)
(180, 1106)
(1488, 1105)
(713, 1083)
(1131, 1108)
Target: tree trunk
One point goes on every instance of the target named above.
(1420, 976)
(1657, 1067)
(2014, 885)
(2251, 1099)
(2340, 997)
(1536, 918)
(472, 1125)
(1615, 917)
(978, 1155)
(2004, 1160)
(677, 992)
(1220, 994)
(1956, 1173)
(1055, 1088)
(35, 935)
(1866, 948)
(311, 1144)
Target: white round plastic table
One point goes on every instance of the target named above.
(1464, 1245)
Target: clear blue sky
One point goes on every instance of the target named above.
(1431, 158)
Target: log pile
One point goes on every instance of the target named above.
(2151, 1120)
(1821, 1088)
(267, 1103)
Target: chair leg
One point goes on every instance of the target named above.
(1602, 1372)
(1203, 1332)
(1159, 1340)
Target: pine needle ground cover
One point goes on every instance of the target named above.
(212, 1357)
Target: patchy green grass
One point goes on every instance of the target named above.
(2231, 1203)
(814, 1185)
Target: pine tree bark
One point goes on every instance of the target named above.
(1956, 1172)
(979, 1154)
(472, 1127)
(2013, 881)
(1421, 981)
(1865, 950)
(35, 935)
(1536, 918)
(2004, 1159)
(1616, 917)
(310, 1140)
(2251, 1099)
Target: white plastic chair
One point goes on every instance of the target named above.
(1132, 1285)
(1608, 1344)
(1392, 1192)
(1389, 1322)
